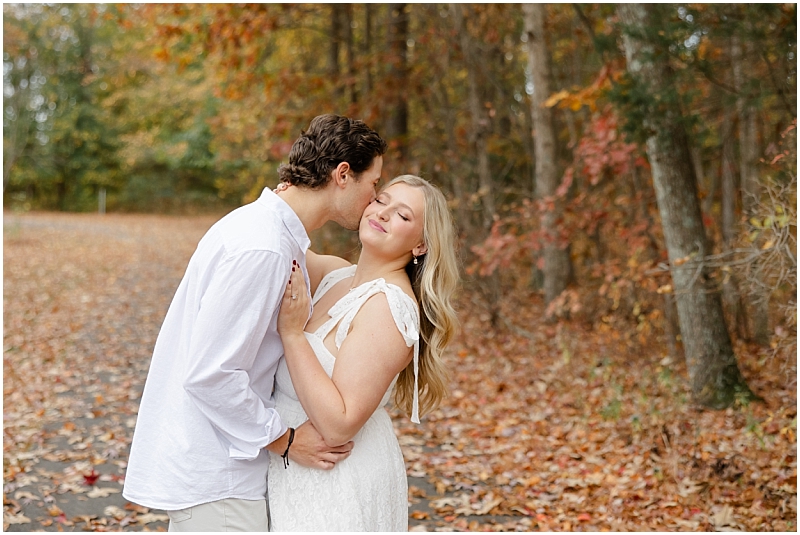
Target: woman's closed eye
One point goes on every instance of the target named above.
(382, 202)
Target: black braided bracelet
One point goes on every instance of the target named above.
(285, 455)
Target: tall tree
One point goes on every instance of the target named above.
(714, 374)
(479, 131)
(350, 82)
(337, 32)
(480, 124)
(743, 59)
(729, 193)
(366, 49)
(397, 108)
(556, 255)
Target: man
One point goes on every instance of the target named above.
(206, 416)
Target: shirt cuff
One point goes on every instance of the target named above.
(250, 453)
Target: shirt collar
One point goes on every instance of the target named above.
(290, 220)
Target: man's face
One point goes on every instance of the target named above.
(360, 193)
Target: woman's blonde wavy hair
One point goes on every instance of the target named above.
(434, 279)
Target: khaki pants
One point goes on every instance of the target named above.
(230, 514)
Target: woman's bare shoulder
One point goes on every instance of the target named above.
(319, 265)
(330, 263)
(375, 317)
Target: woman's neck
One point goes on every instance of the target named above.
(370, 268)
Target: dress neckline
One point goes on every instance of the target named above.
(351, 290)
(350, 293)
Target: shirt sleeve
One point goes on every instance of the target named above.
(235, 312)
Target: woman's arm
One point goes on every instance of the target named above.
(371, 356)
(319, 265)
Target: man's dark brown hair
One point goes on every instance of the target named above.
(329, 141)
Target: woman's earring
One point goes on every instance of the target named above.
(416, 261)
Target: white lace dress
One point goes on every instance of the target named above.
(368, 491)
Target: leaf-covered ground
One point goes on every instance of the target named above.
(561, 427)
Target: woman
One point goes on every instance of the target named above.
(375, 326)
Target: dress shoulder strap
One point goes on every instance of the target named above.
(331, 279)
(404, 312)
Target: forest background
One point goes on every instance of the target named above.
(623, 172)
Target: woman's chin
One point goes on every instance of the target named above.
(367, 233)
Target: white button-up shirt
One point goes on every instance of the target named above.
(206, 412)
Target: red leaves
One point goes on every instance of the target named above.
(496, 251)
(602, 150)
(90, 479)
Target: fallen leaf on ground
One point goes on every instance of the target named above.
(102, 492)
(9, 518)
(114, 511)
(91, 479)
(149, 518)
(723, 519)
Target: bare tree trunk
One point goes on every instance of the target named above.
(489, 286)
(731, 293)
(556, 255)
(748, 155)
(350, 83)
(457, 180)
(480, 120)
(728, 172)
(530, 150)
(337, 22)
(671, 326)
(730, 286)
(748, 142)
(697, 163)
(397, 123)
(715, 378)
(366, 49)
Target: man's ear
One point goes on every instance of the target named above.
(419, 250)
(342, 174)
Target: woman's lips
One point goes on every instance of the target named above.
(374, 224)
